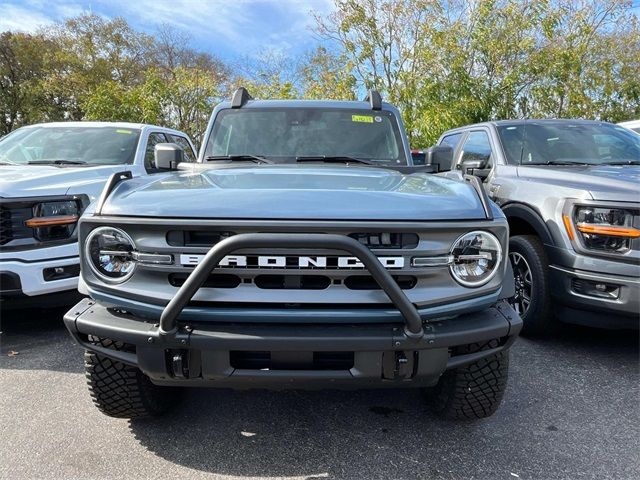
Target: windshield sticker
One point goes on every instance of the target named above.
(362, 118)
(128, 132)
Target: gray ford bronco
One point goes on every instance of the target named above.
(303, 251)
(570, 190)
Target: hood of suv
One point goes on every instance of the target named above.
(40, 180)
(296, 192)
(603, 182)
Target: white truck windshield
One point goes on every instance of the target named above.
(69, 145)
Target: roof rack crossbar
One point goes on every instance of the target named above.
(374, 98)
(240, 97)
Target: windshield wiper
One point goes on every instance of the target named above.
(333, 159)
(562, 162)
(56, 162)
(236, 158)
(623, 162)
(8, 162)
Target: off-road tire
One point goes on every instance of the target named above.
(122, 391)
(473, 391)
(538, 319)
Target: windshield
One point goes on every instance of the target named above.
(284, 134)
(72, 144)
(550, 143)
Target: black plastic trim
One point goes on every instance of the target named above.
(482, 194)
(114, 180)
(240, 97)
(374, 99)
(368, 343)
(529, 215)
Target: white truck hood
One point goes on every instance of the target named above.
(41, 180)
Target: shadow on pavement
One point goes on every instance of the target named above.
(36, 339)
(328, 434)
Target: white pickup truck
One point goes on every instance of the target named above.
(49, 173)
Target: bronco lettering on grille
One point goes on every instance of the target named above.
(282, 261)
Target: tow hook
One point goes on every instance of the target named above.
(180, 364)
(397, 365)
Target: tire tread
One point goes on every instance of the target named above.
(120, 390)
(474, 391)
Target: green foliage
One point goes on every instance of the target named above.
(452, 63)
(327, 76)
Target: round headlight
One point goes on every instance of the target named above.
(476, 258)
(109, 254)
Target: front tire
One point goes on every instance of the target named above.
(530, 270)
(475, 390)
(122, 391)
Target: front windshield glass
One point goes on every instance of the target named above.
(284, 134)
(69, 145)
(549, 143)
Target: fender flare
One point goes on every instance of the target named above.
(533, 218)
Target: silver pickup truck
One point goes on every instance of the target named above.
(570, 190)
(303, 250)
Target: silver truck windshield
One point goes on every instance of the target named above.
(287, 134)
(560, 143)
(69, 146)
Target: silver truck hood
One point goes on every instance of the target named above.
(41, 180)
(296, 192)
(603, 182)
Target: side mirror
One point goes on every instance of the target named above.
(441, 156)
(419, 157)
(477, 167)
(167, 156)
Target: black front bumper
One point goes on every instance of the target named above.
(290, 356)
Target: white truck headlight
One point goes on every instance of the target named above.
(476, 258)
(55, 220)
(110, 254)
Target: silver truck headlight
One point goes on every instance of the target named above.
(476, 258)
(109, 253)
(603, 229)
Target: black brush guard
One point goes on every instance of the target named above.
(169, 318)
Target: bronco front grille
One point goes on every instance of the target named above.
(280, 277)
(373, 240)
(293, 282)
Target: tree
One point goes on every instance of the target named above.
(93, 50)
(590, 62)
(23, 65)
(455, 62)
(326, 75)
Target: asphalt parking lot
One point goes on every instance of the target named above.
(572, 410)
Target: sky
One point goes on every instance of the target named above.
(226, 28)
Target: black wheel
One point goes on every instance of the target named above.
(532, 300)
(123, 391)
(473, 391)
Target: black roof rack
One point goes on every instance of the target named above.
(374, 98)
(240, 97)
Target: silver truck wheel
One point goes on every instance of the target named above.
(532, 300)
(524, 283)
